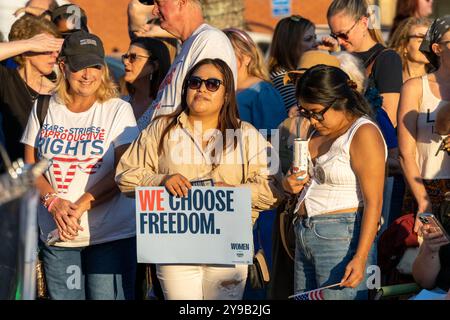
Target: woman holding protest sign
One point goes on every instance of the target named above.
(87, 243)
(206, 121)
(339, 205)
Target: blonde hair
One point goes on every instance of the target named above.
(356, 9)
(244, 45)
(354, 68)
(29, 26)
(399, 39)
(107, 89)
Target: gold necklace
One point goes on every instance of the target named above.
(35, 96)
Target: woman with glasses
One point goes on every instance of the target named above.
(87, 227)
(146, 64)
(208, 102)
(340, 199)
(425, 164)
(285, 53)
(406, 41)
(356, 28)
(34, 42)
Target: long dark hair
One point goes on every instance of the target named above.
(287, 43)
(329, 86)
(228, 116)
(159, 53)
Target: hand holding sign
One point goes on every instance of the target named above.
(209, 225)
(177, 185)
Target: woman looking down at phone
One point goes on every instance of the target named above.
(201, 128)
(340, 208)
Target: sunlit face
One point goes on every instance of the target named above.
(332, 119)
(85, 82)
(416, 35)
(424, 8)
(168, 11)
(443, 50)
(42, 62)
(203, 102)
(309, 39)
(137, 65)
(344, 24)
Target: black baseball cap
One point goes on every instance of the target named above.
(82, 50)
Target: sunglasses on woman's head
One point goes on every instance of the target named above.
(315, 115)
(211, 84)
(133, 57)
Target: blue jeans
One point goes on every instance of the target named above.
(104, 271)
(325, 244)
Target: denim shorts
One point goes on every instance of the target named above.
(104, 271)
(325, 244)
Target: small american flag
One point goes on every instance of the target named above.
(310, 295)
(316, 294)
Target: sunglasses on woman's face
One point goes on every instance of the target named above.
(132, 57)
(315, 115)
(211, 84)
(343, 35)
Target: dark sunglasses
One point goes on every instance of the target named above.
(211, 84)
(415, 36)
(315, 115)
(343, 35)
(133, 57)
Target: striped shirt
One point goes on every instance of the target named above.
(287, 92)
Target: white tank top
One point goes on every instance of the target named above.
(334, 185)
(428, 141)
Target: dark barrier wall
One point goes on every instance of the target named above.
(9, 248)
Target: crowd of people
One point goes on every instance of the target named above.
(375, 117)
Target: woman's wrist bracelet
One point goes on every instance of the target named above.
(51, 204)
(46, 197)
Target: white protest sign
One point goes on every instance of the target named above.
(211, 225)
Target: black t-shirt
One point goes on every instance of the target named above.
(443, 278)
(16, 103)
(387, 69)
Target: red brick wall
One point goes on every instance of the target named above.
(108, 18)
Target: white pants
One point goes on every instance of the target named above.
(202, 282)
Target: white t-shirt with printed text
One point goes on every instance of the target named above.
(205, 42)
(81, 148)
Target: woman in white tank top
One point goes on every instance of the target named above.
(340, 201)
(427, 170)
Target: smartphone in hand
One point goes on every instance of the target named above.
(432, 221)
